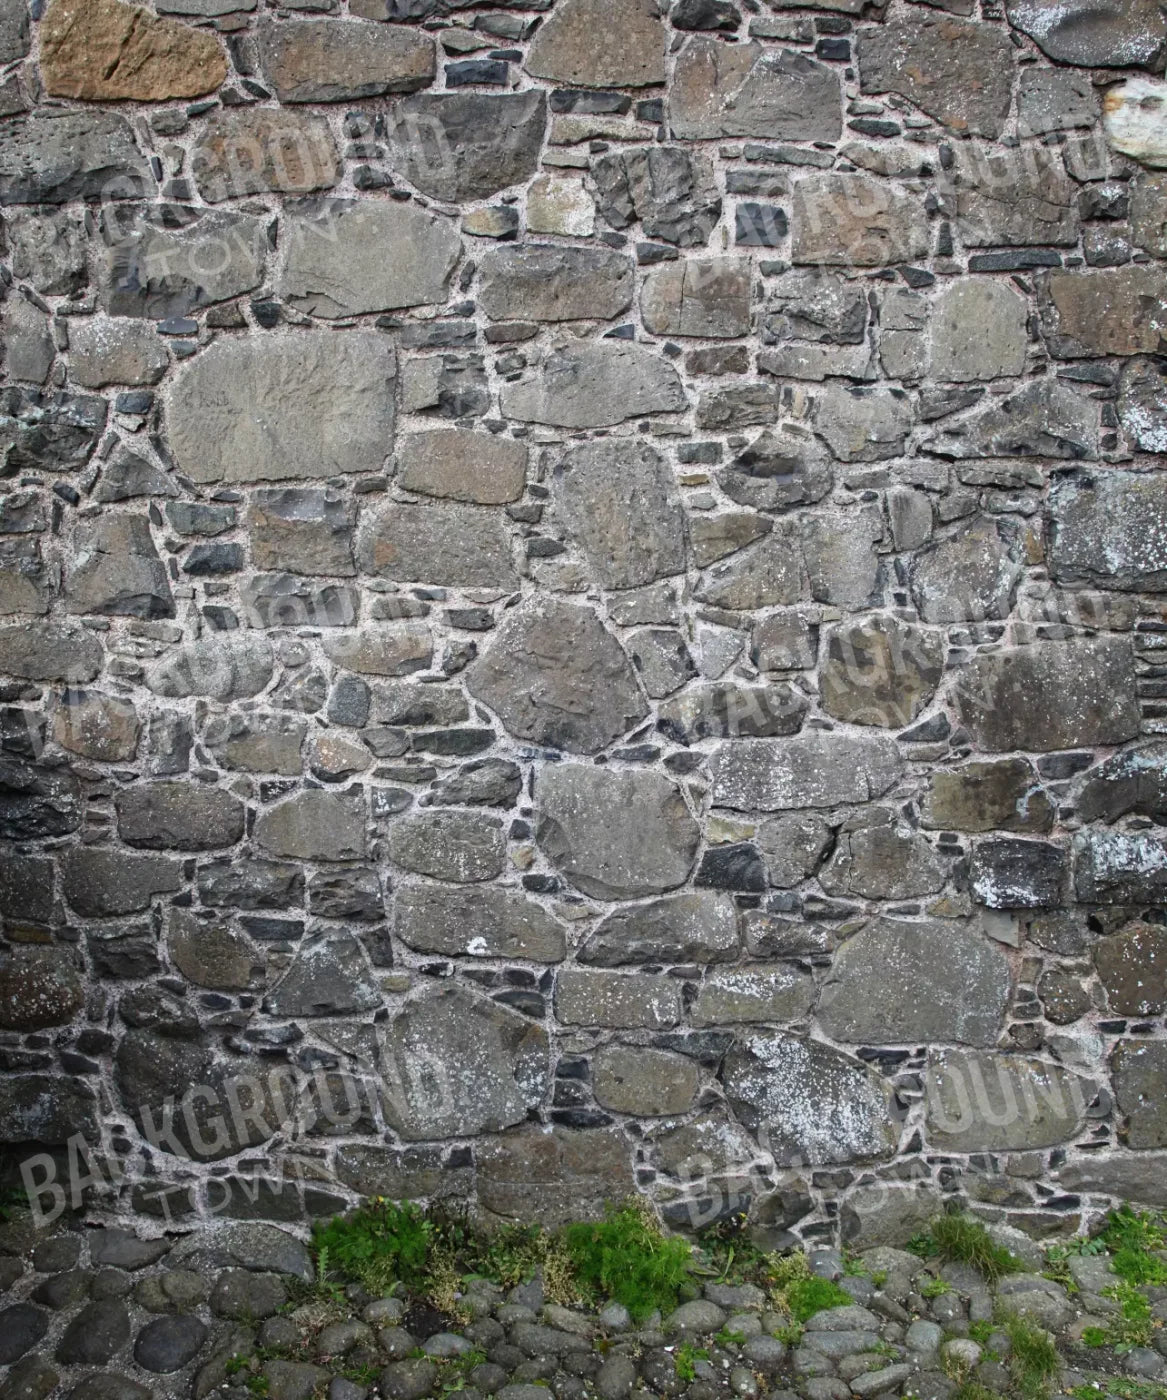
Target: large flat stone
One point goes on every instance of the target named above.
(553, 1175)
(600, 44)
(615, 833)
(482, 923)
(1104, 311)
(994, 1102)
(696, 927)
(1052, 695)
(1093, 33)
(556, 676)
(48, 651)
(752, 90)
(809, 1104)
(809, 770)
(108, 51)
(1044, 419)
(1109, 530)
(854, 220)
(336, 264)
(1013, 198)
(901, 983)
(456, 146)
(59, 157)
(280, 407)
(547, 282)
(460, 465)
(456, 1065)
(262, 150)
(337, 60)
(698, 297)
(595, 385)
(880, 672)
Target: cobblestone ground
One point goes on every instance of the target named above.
(101, 1314)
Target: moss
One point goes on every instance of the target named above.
(626, 1256)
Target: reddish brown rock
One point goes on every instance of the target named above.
(104, 50)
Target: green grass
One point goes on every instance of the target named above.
(807, 1296)
(686, 1359)
(627, 1257)
(1131, 1237)
(960, 1239)
(934, 1288)
(1033, 1357)
(974, 1390)
(382, 1243)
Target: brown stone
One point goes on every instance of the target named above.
(1105, 311)
(460, 465)
(258, 150)
(600, 43)
(1133, 968)
(1001, 796)
(842, 220)
(553, 1175)
(105, 51)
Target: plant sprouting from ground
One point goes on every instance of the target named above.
(628, 1258)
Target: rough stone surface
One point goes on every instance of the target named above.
(54, 159)
(328, 60)
(252, 151)
(752, 90)
(538, 282)
(600, 44)
(880, 673)
(1091, 33)
(456, 146)
(595, 386)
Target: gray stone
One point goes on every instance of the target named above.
(999, 796)
(1106, 530)
(669, 189)
(95, 1335)
(782, 468)
(1123, 1176)
(1005, 201)
(595, 385)
(37, 801)
(639, 1080)
(299, 404)
(46, 1108)
(262, 150)
(25, 584)
(1132, 965)
(47, 248)
(809, 770)
(250, 1245)
(1148, 212)
(769, 572)
(459, 546)
(28, 341)
(55, 158)
(854, 220)
(99, 881)
(752, 89)
(1049, 696)
(465, 847)
(491, 1070)
(331, 60)
(979, 331)
(600, 43)
(959, 72)
(547, 282)
(115, 351)
(625, 1000)
(247, 1296)
(381, 651)
(722, 710)
(1045, 419)
(1055, 99)
(1142, 403)
(305, 530)
(615, 834)
(22, 1326)
(116, 570)
(487, 923)
(902, 983)
(297, 1380)
(970, 576)
(698, 297)
(209, 952)
(48, 431)
(619, 500)
(157, 266)
(336, 264)
(712, 537)
(810, 1104)
(553, 1176)
(1011, 873)
(221, 666)
(863, 425)
(777, 995)
(880, 671)
(128, 477)
(456, 146)
(168, 1343)
(39, 987)
(662, 660)
(481, 468)
(490, 782)
(179, 816)
(793, 847)
(314, 825)
(839, 548)
(1118, 867)
(26, 889)
(1093, 33)
(699, 926)
(993, 1102)
(14, 40)
(556, 676)
(882, 860)
(329, 977)
(1103, 311)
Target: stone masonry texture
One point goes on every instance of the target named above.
(583, 607)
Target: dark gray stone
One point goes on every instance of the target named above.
(22, 1326)
(1010, 873)
(463, 847)
(329, 977)
(168, 1343)
(45, 431)
(1094, 33)
(696, 927)
(595, 385)
(179, 816)
(96, 1335)
(668, 189)
(465, 146)
(752, 89)
(487, 923)
(336, 60)
(54, 158)
(1119, 867)
(880, 672)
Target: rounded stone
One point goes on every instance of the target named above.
(168, 1343)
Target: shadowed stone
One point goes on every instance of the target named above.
(812, 1104)
(336, 60)
(615, 834)
(457, 146)
(336, 264)
(106, 51)
(1133, 967)
(54, 159)
(555, 675)
(553, 1175)
(179, 816)
(699, 926)
(902, 983)
(39, 987)
(752, 90)
(46, 1108)
(209, 952)
(301, 404)
(993, 1102)
(492, 1067)
(99, 881)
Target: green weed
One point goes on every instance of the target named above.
(807, 1296)
(1033, 1357)
(686, 1359)
(380, 1244)
(627, 1257)
(960, 1239)
(934, 1288)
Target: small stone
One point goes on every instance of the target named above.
(116, 570)
(1009, 873)
(104, 50)
(490, 923)
(1138, 1068)
(97, 726)
(881, 860)
(970, 576)
(382, 650)
(39, 987)
(560, 204)
(669, 189)
(115, 351)
(1118, 867)
(22, 1326)
(979, 331)
(329, 977)
(615, 834)
(209, 952)
(777, 995)
(600, 44)
(168, 1343)
(336, 60)
(1055, 99)
(1119, 311)
(305, 530)
(95, 1335)
(28, 342)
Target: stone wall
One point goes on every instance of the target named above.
(582, 600)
